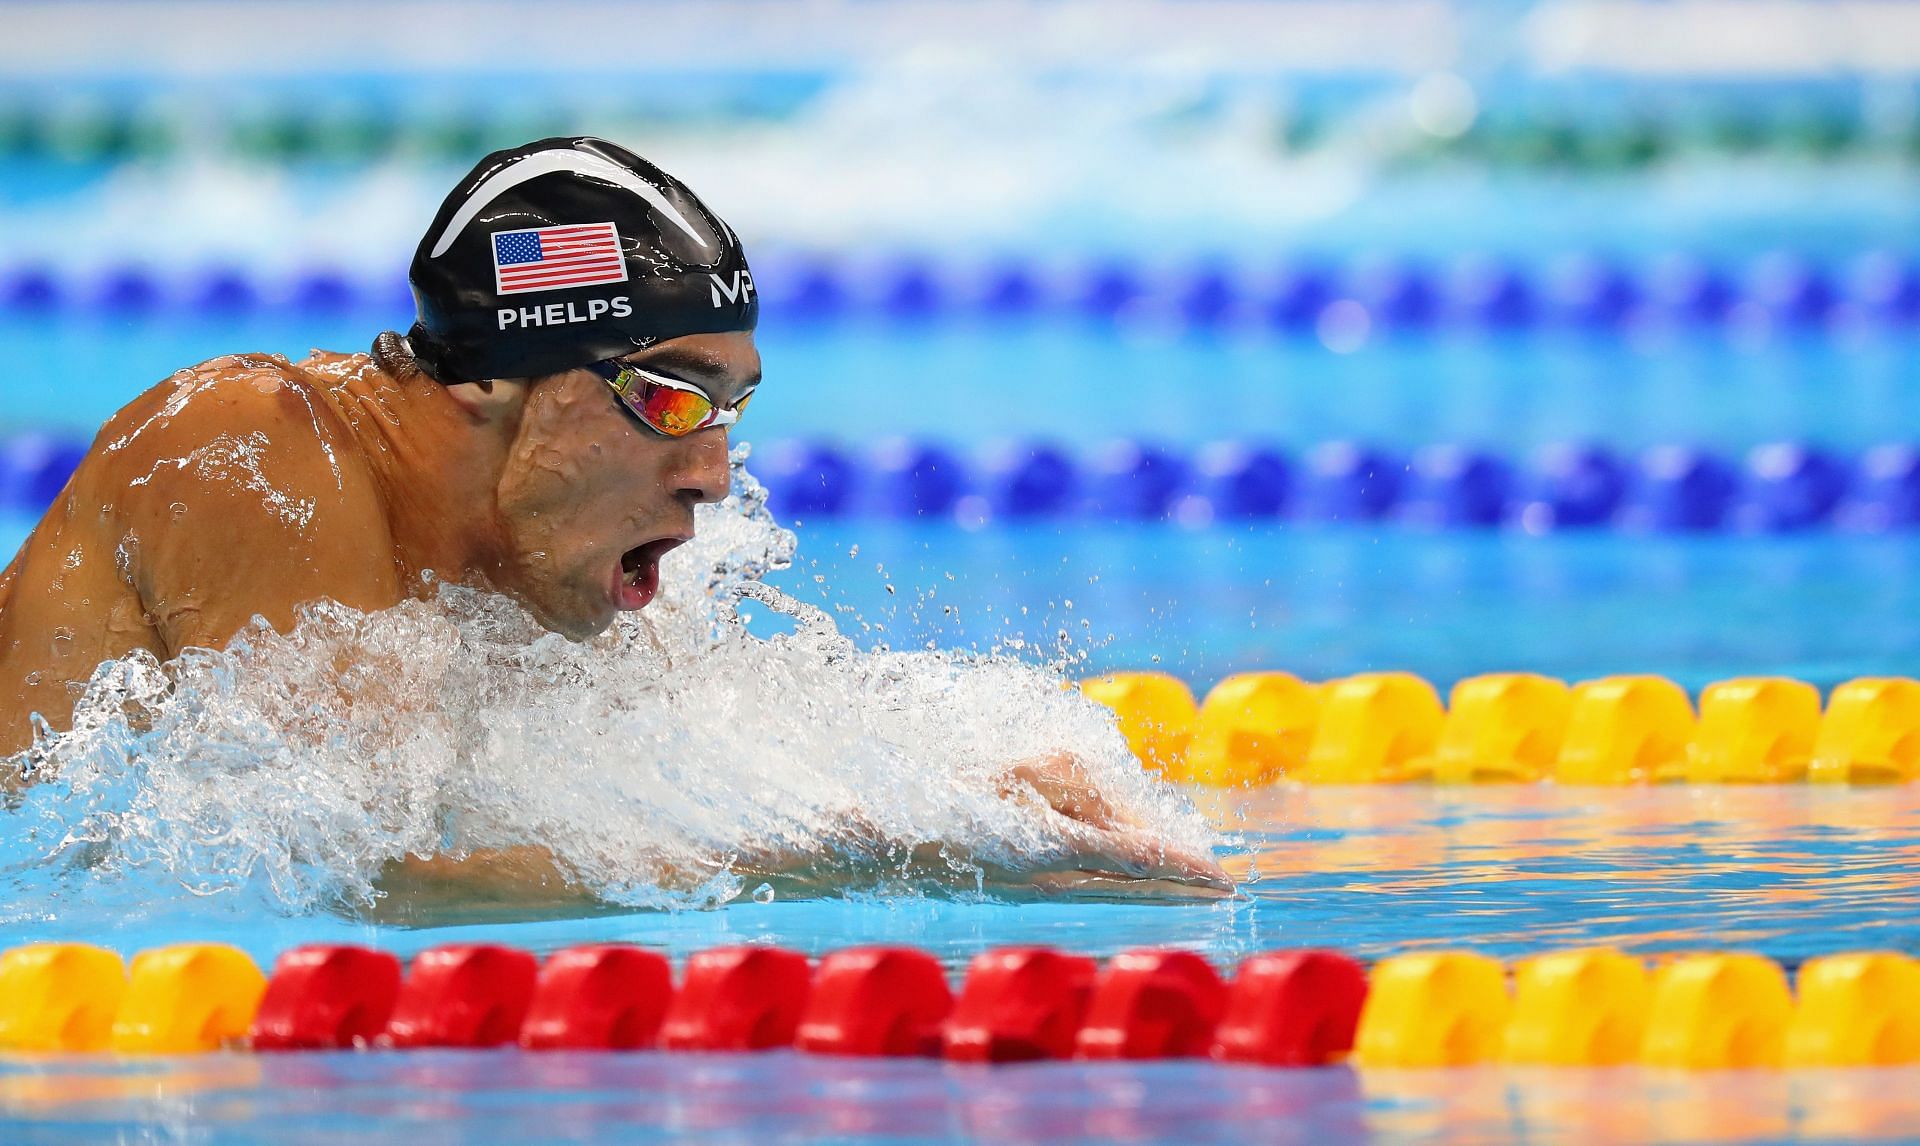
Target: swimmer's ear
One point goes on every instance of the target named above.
(494, 400)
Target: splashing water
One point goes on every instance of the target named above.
(674, 761)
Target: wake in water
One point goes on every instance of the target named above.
(678, 760)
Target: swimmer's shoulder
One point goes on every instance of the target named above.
(250, 419)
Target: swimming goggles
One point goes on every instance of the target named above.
(665, 405)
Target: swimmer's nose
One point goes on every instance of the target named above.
(704, 475)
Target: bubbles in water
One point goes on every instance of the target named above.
(674, 761)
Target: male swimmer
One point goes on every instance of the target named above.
(544, 430)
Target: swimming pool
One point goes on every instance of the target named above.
(1174, 249)
(1792, 872)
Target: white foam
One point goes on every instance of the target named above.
(667, 763)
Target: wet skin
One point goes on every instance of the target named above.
(249, 486)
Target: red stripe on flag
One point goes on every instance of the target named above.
(568, 260)
(598, 275)
(532, 273)
(557, 284)
(562, 280)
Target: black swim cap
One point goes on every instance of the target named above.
(566, 252)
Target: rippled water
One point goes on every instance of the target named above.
(676, 761)
(427, 1097)
(682, 741)
(1793, 871)
(248, 796)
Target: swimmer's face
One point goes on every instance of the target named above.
(590, 499)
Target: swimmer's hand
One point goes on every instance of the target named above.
(1113, 851)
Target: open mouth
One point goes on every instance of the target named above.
(639, 577)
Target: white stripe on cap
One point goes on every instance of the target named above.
(545, 163)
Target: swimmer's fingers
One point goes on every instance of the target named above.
(1064, 783)
(1100, 885)
(1136, 855)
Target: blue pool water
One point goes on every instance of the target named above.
(1792, 872)
(1084, 383)
(440, 1096)
(1321, 601)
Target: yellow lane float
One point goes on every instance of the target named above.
(1578, 1008)
(186, 998)
(59, 997)
(1258, 728)
(1253, 728)
(1373, 728)
(1440, 1008)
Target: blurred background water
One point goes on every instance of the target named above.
(1485, 227)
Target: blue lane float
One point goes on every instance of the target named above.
(1289, 295)
(1243, 481)
(34, 468)
(1780, 487)
(1350, 481)
(1775, 488)
(1023, 480)
(1884, 492)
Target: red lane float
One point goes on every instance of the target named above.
(1152, 1004)
(463, 995)
(738, 999)
(608, 996)
(325, 997)
(1019, 1004)
(876, 1001)
(1283, 1008)
(1291, 1008)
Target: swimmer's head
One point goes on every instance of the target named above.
(565, 252)
(547, 260)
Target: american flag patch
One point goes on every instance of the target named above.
(552, 258)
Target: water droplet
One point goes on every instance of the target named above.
(178, 509)
(63, 641)
(123, 557)
(426, 576)
(763, 893)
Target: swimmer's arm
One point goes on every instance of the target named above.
(252, 502)
(524, 880)
(1109, 857)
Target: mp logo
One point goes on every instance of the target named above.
(724, 292)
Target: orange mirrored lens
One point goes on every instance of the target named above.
(674, 412)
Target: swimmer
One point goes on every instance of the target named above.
(584, 340)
